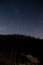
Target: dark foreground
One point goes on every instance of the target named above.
(11, 47)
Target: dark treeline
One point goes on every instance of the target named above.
(21, 44)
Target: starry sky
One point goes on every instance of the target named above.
(21, 17)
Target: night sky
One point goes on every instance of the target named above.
(21, 17)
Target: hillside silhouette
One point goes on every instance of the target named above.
(11, 46)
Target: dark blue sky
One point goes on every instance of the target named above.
(21, 17)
